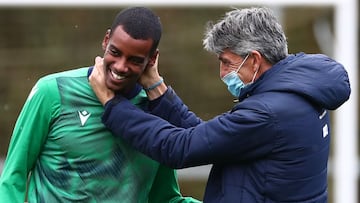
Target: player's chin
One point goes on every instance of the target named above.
(116, 87)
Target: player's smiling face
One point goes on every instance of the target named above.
(125, 59)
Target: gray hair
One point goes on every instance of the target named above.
(245, 30)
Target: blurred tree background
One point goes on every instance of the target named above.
(38, 41)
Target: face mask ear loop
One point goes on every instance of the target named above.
(255, 75)
(242, 63)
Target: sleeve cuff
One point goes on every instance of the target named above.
(109, 105)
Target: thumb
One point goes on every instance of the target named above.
(98, 60)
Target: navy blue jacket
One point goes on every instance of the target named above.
(273, 146)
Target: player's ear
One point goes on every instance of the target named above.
(106, 39)
(153, 58)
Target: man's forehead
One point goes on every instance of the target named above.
(126, 44)
(227, 55)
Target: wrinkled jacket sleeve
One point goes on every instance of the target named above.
(171, 108)
(26, 142)
(166, 188)
(231, 137)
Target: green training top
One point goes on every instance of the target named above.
(60, 143)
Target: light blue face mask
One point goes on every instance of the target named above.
(233, 81)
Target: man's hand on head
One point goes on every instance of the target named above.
(151, 74)
(97, 82)
(151, 80)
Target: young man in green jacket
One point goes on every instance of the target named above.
(61, 152)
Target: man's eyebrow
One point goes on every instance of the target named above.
(137, 59)
(114, 47)
(222, 59)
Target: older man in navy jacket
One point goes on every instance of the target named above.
(273, 145)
